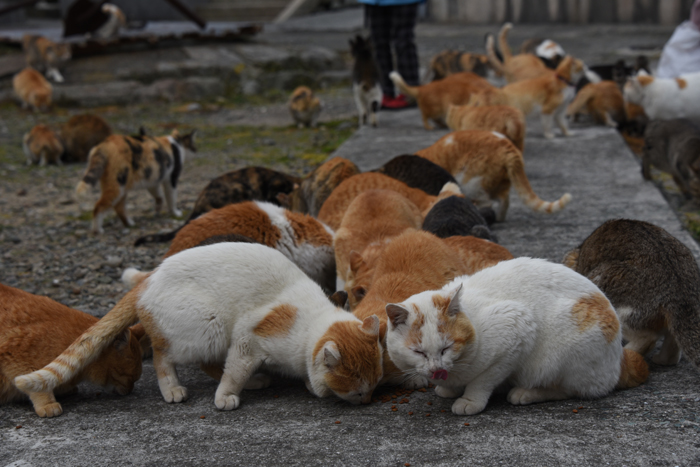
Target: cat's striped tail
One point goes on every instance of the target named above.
(503, 42)
(85, 349)
(401, 84)
(516, 173)
(97, 163)
(633, 370)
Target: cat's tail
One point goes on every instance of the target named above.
(401, 84)
(450, 189)
(516, 130)
(131, 277)
(583, 97)
(158, 238)
(684, 325)
(503, 42)
(633, 370)
(516, 173)
(97, 163)
(493, 58)
(85, 349)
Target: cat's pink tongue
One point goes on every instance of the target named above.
(440, 374)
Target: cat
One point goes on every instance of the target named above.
(546, 50)
(602, 101)
(242, 307)
(34, 330)
(486, 164)
(334, 208)
(115, 21)
(514, 68)
(250, 183)
(665, 98)
(449, 62)
(42, 146)
(503, 119)
(434, 98)
(33, 90)
(653, 282)
(121, 163)
(316, 187)
(366, 86)
(305, 107)
(410, 263)
(547, 331)
(80, 134)
(456, 215)
(477, 253)
(673, 146)
(301, 238)
(45, 55)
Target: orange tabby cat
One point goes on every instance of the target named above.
(304, 107)
(34, 330)
(334, 208)
(485, 164)
(46, 55)
(42, 146)
(603, 101)
(514, 67)
(434, 98)
(33, 89)
(476, 253)
(503, 119)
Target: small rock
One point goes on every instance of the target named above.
(14, 239)
(79, 232)
(75, 291)
(22, 192)
(55, 283)
(345, 125)
(113, 261)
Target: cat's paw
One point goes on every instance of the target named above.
(49, 410)
(520, 396)
(666, 360)
(549, 135)
(415, 382)
(464, 406)
(258, 381)
(227, 402)
(175, 394)
(447, 392)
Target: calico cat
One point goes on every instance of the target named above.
(547, 331)
(602, 101)
(476, 253)
(45, 55)
(365, 82)
(487, 164)
(513, 67)
(301, 238)
(242, 307)
(435, 98)
(456, 215)
(80, 134)
(502, 119)
(305, 107)
(317, 186)
(115, 21)
(673, 146)
(121, 163)
(334, 208)
(449, 62)
(33, 90)
(42, 146)
(250, 183)
(546, 50)
(665, 98)
(35, 330)
(653, 281)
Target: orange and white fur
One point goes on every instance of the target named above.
(302, 239)
(502, 119)
(241, 307)
(33, 89)
(305, 107)
(547, 331)
(514, 67)
(116, 21)
(602, 101)
(665, 98)
(485, 164)
(45, 55)
(122, 163)
(42, 146)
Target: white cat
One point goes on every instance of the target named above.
(548, 333)
(665, 98)
(239, 306)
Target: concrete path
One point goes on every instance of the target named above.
(655, 424)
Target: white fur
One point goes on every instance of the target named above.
(525, 335)
(207, 301)
(663, 99)
(364, 100)
(498, 135)
(116, 20)
(549, 49)
(449, 140)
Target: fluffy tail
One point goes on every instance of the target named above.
(503, 42)
(493, 58)
(516, 173)
(97, 163)
(401, 84)
(450, 189)
(633, 370)
(684, 325)
(131, 277)
(84, 350)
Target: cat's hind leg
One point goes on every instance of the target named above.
(258, 381)
(547, 123)
(157, 193)
(107, 200)
(525, 396)
(561, 123)
(670, 353)
(641, 341)
(45, 404)
(240, 366)
(171, 198)
(120, 209)
(168, 381)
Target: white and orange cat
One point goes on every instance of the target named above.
(240, 306)
(502, 119)
(513, 67)
(486, 164)
(33, 89)
(42, 146)
(546, 331)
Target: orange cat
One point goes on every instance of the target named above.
(304, 107)
(603, 101)
(503, 119)
(449, 62)
(121, 163)
(334, 208)
(42, 146)
(80, 134)
(485, 164)
(33, 89)
(514, 67)
(413, 262)
(476, 253)
(434, 98)
(46, 55)
(34, 330)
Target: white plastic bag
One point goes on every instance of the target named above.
(681, 53)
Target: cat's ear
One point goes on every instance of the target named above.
(358, 292)
(331, 355)
(356, 261)
(453, 308)
(398, 315)
(339, 298)
(371, 325)
(122, 340)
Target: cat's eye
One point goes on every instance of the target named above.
(445, 350)
(419, 352)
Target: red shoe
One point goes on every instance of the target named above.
(394, 103)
